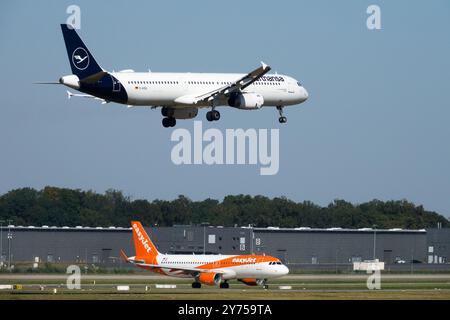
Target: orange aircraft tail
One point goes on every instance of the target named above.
(142, 243)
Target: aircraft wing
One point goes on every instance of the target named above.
(192, 271)
(237, 85)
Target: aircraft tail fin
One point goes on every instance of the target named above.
(82, 62)
(143, 245)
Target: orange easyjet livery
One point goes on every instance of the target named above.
(207, 269)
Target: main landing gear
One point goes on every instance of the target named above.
(169, 122)
(281, 119)
(224, 285)
(196, 285)
(213, 115)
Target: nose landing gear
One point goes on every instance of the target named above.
(281, 119)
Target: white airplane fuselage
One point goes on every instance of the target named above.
(230, 266)
(163, 89)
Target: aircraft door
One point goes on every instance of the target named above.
(115, 84)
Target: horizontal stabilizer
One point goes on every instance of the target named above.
(70, 95)
(46, 83)
(124, 256)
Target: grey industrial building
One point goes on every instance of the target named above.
(302, 248)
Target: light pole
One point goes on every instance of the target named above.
(336, 261)
(252, 236)
(9, 244)
(204, 235)
(374, 240)
(1, 243)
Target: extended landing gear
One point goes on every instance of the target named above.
(196, 285)
(213, 115)
(266, 286)
(169, 122)
(281, 119)
(224, 285)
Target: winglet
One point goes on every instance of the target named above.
(69, 94)
(264, 65)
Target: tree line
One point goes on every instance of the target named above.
(54, 206)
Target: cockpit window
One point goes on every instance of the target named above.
(299, 84)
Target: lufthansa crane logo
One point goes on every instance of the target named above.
(80, 58)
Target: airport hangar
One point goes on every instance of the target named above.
(300, 248)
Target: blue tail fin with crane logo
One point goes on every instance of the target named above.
(81, 60)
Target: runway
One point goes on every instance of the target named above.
(294, 286)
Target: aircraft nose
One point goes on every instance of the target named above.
(305, 94)
(284, 270)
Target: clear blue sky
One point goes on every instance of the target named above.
(376, 124)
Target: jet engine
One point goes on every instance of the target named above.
(210, 278)
(179, 113)
(245, 100)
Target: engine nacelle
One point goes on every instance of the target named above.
(245, 100)
(210, 278)
(253, 281)
(179, 113)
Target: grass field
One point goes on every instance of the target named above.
(303, 287)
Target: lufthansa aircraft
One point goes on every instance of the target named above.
(204, 269)
(179, 95)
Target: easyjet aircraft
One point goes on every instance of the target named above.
(179, 95)
(207, 269)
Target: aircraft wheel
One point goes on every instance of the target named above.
(266, 286)
(215, 115)
(224, 285)
(282, 119)
(169, 122)
(196, 285)
(209, 116)
(166, 122)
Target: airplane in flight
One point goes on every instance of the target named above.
(214, 269)
(179, 95)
